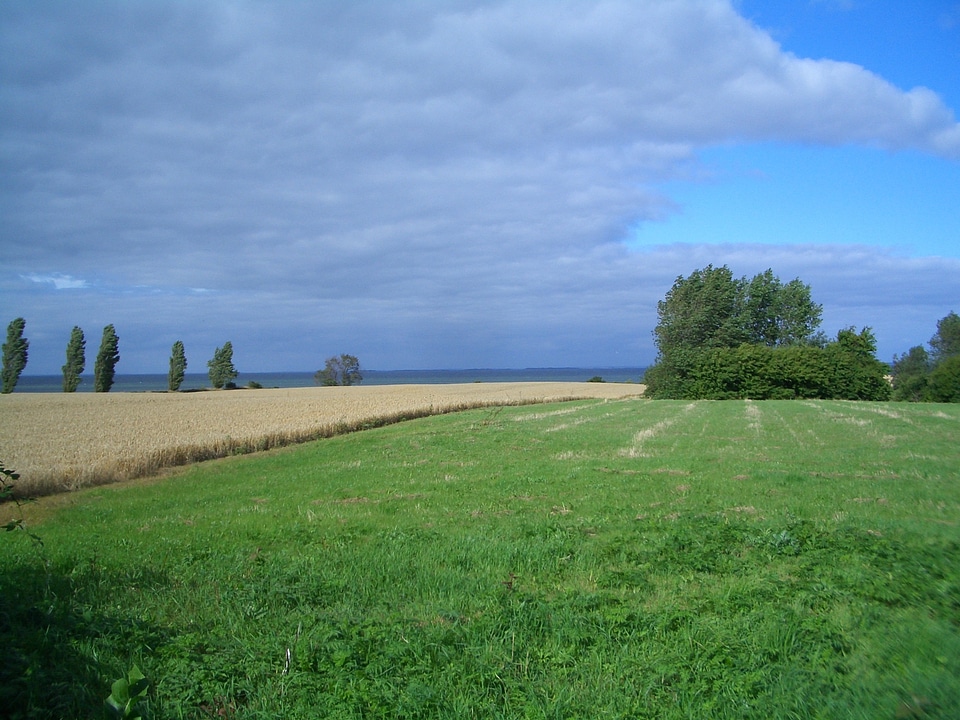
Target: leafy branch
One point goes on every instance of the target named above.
(8, 479)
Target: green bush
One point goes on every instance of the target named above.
(843, 370)
(944, 382)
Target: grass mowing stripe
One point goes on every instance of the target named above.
(761, 560)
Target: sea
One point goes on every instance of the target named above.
(200, 381)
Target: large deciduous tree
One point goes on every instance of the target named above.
(14, 355)
(76, 360)
(946, 341)
(775, 314)
(178, 366)
(108, 356)
(221, 370)
(700, 312)
(339, 370)
(711, 310)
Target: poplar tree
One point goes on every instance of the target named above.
(76, 360)
(107, 359)
(14, 355)
(178, 366)
(221, 370)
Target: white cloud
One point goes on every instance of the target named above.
(59, 281)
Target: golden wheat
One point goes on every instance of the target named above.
(63, 441)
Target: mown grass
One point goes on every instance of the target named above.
(635, 559)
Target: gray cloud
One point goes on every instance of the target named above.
(437, 185)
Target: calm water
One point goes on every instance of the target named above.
(196, 381)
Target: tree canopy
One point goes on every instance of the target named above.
(723, 337)
(945, 380)
(339, 370)
(178, 366)
(775, 314)
(221, 370)
(921, 376)
(107, 358)
(76, 360)
(14, 355)
(945, 343)
(712, 309)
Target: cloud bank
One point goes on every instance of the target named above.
(422, 184)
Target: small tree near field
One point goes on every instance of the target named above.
(76, 360)
(339, 370)
(14, 354)
(221, 370)
(178, 367)
(107, 358)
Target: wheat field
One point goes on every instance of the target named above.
(64, 441)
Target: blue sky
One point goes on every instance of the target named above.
(765, 193)
(467, 184)
(773, 194)
(907, 43)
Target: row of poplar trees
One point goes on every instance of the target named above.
(16, 353)
(220, 368)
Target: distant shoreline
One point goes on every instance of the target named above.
(157, 382)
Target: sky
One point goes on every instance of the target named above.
(466, 184)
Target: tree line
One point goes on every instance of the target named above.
(339, 370)
(721, 337)
(934, 376)
(16, 353)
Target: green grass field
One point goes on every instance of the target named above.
(619, 559)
